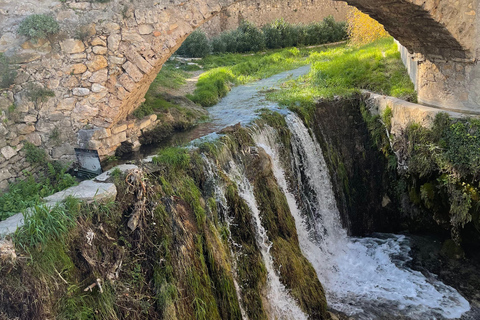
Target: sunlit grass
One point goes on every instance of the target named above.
(345, 71)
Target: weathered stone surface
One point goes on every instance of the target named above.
(81, 92)
(66, 104)
(98, 88)
(99, 76)
(78, 68)
(116, 60)
(98, 42)
(34, 138)
(72, 46)
(133, 71)
(25, 128)
(119, 128)
(145, 29)
(87, 191)
(97, 63)
(114, 42)
(99, 50)
(127, 82)
(8, 152)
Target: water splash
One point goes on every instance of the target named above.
(364, 277)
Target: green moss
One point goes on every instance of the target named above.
(251, 271)
(296, 272)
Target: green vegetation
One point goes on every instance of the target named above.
(7, 74)
(169, 77)
(27, 193)
(446, 163)
(344, 71)
(38, 94)
(152, 104)
(38, 26)
(196, 45)
(275, 35)
(215, 83)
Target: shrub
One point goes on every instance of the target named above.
(196, 45)
(249, 38)
(7, 75)
(280, 34)
(38, 26)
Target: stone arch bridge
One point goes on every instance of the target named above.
(105, 56)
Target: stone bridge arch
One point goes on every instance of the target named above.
(103, 60)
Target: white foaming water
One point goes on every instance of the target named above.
(363, 277)
(283, 305)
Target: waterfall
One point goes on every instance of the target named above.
(363, 277)
(283, 305)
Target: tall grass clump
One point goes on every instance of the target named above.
(22, 194)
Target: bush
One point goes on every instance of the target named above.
(196, 45)
(38, 26)
(249, 38)
(7, 75)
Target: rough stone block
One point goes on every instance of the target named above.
(8, 152)
(99, 50)
(97, 41)
(114, 41)
(97, 63)
(98, 88)
(119, 128)
(66, 104)
(72, 46)
(25, 128)
(87, 191)
(77, 68)
(132, 71)
(100, 76)
(127, 82)
(81, 92)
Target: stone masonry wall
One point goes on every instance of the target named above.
(265, 11)
(99, 67)
(103, 60)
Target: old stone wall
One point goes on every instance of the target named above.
(263, 12)
(101, 63)
(98, 68)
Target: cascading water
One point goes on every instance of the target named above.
(364, 277)
(283, 305)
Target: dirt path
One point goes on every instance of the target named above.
(188, 87)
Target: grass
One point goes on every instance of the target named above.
(344, 71)
(29, 192)
(44, 224)
(215, 83)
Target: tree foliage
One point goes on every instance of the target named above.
(362, 29)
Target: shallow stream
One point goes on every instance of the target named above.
(365, 278)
